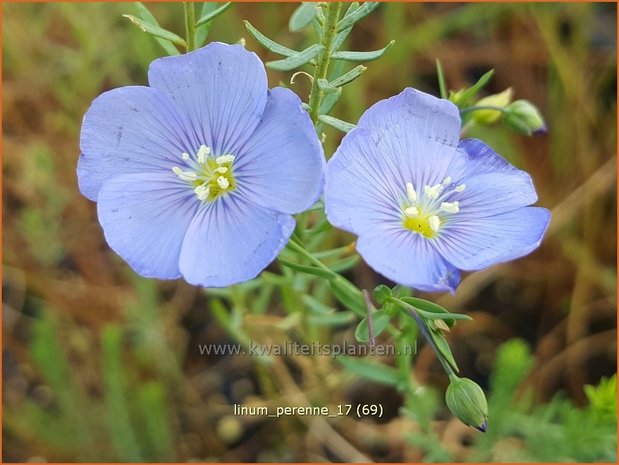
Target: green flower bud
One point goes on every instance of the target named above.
(467, 401)
(524, 117)
(497, 100)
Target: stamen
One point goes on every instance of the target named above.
(447, 181)
(411, 212)
(221, 169)
(410, 192)
(433, 191)
(450, 207)
(460, 188)
(184, 175)
(434, 222)
(224, 159)
(185, 156)
(223, 182)
(202, 191)
(203, 153)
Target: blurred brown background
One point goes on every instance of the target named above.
(101, 365)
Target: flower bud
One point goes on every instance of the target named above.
(524, 117)
(467, 401)
(497, 100)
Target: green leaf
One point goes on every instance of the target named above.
(336, 123)
(325, 86)
(302, 16)
(345, 264)
(148, 17)
(312, 270)
(443, 346)
(357, 15)
(361, 56)
(463, 97)
(295, 61)
(329, 101)
(348, 294)
(268, 43)
(373, 371)
(441, 79)
(432, 311)
(207, 17)
(348, 77)
(380, 320)
(156, 31)
(343, 35)
(333, 319)
(382, 293)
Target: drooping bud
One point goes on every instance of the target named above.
(500, 100)
(467, 401)
(524, 117)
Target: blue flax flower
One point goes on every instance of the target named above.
(424, 204)
(198, 175)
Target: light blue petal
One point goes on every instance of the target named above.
(493, 185)
(416, 133)
(129, 130)
(221, 88)
(145, 217)
(231, 241)
(480, 242)
(281, 166)
(408, 259)
(360, 194)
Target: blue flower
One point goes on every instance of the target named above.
(424, 204)
(198, 175)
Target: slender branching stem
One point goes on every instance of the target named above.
(190, 25)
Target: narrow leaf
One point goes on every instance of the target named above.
(268, 43)
(329, 101)
(325, 86)
(302, 16)
(156, 31)
(210, 16)
(343, 35)
(357, 15)
(380, 319)
(443, 347)
(148, 17)
(441, 79)
(430, 307)
(361, 56)
(374, 371)
(336, 123)
(295, 61)
(334, 319)
(312, 270)
(469, 93)
(349, 76)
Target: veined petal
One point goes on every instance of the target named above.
(477, 243)
(361, 191)
(281, 166)
(416, 133)
(145, 217)
(231, 241)
(408, 259)
(493, 185)
(129, 130)
(221, 88)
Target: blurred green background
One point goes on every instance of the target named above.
(101, 365)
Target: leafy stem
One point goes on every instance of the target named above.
(412, 311)
(329, 31)
(481, 107)
(190, 25)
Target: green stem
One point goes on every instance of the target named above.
(190, 25)
(481, 107)
(329, 31)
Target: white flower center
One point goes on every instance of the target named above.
(210, 177)
(425, 212)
